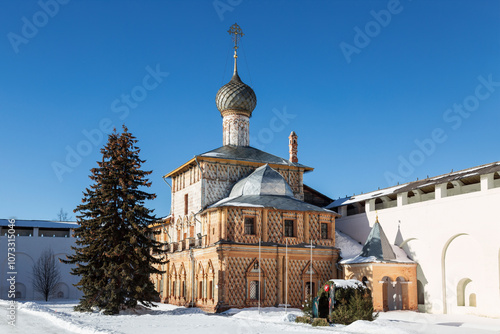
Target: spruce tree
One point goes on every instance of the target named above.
(114, 249)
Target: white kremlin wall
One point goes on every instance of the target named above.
(455, 239)
(29, 244)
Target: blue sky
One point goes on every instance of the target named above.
(379, 92)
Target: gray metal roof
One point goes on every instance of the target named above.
(269, 201)
(265, 188)
(263, 181)
(40, 223)
(248, 153)
(377, 245)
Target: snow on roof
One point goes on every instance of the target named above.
(376, 249)
(39, 223)
(347, 283)
(349, 247)
(364, 197)
(401, 257)
(474, 171)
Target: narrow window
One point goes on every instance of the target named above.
(289, 230)
(186, 204)
(249, 225)
(324, 231)
(254, 290)
(210, 290)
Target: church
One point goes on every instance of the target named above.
(244, 230)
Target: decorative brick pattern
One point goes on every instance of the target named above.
(222, 172)
(236, 281)
(233, 226)
(328, 220)
(295, 293)
(216, 190)
(245, 171)
(299, 225)
(314, 227)
(325, 270)
(274, 227)
(214, 225)
(233, 174)
(271, 293)
(210, 171)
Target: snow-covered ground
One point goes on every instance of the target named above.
(59, 317)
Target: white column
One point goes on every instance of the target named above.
(441, 190)
(370, 205)
(402, 198)
(486, 181)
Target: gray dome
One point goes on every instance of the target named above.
(263, 181)
(235, 95)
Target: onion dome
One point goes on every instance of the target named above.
(236, 96)
(263, 181)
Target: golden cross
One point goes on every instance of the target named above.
(236, 33)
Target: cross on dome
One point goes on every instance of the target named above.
(236, 33)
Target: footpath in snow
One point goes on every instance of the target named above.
(59, 317)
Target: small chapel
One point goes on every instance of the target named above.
(244, 231)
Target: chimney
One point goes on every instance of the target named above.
(292, 147)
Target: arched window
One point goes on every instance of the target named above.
(199, 277)
(420, 293)
(173, 279)
(182, 278)
(210, 279)
(256, 280)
